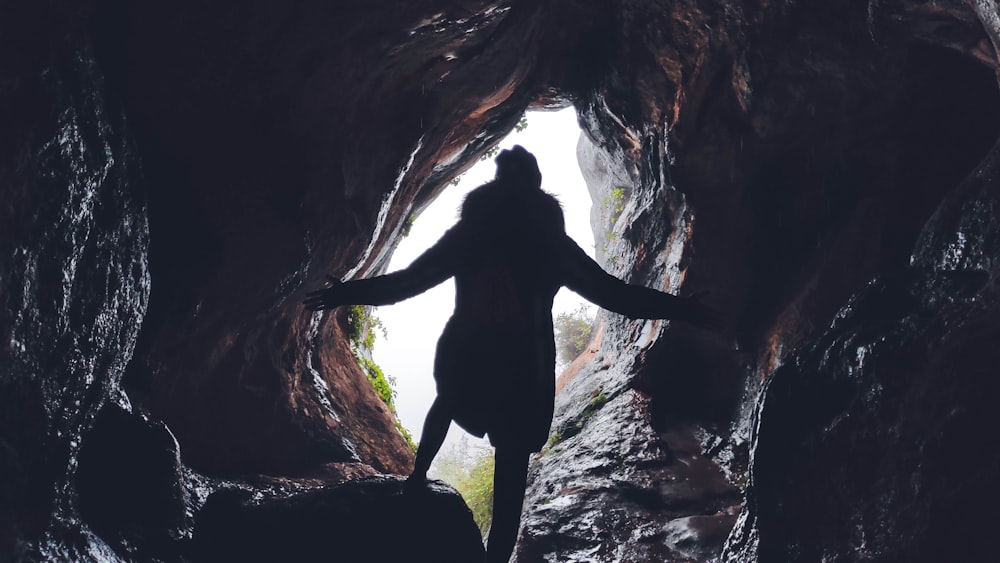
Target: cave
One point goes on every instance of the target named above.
(176, 177)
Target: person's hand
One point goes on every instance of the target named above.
(699, 314)
(326, 298)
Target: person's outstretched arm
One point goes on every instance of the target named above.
(586, 277)
(432, 267)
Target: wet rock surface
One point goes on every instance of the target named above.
(797, 210)
(610, 488)
(73, 269)
(133, 490)
(173, 177)
(876, 422)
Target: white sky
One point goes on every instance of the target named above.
(414, 325)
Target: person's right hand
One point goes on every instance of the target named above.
(326, 298)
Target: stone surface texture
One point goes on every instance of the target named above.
(175, 176)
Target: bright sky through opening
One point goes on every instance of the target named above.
(414, 325)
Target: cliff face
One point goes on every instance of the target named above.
(175, 177)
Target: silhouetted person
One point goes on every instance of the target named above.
(495, 363)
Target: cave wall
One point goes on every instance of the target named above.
(780, 157)
(176, 177)
(872, 422)
(320, 128)
(74, 274)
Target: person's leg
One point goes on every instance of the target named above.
(509, 481)
(435, 429)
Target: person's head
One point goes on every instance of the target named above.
(518, 167)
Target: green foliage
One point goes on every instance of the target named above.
(470, 470)
(612, 237)
(476, 487)
(597, 400)
(522, 123)
(573, 331)
(611, 209)
(554, 439)
(550, 446)
(613, 204)
(408, 225)
(362, 324)
(491, 152)
(379, 381)
(406, 435)
(356, 316)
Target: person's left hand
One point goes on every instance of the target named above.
(326, 298)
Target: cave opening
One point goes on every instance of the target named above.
(405, 350)
(180, 176)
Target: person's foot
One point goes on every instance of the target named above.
(415, 483)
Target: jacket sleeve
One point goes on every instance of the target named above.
(431, 268)
(586, 277)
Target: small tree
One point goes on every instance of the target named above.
(573, 333)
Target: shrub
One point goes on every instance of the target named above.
(573, 333)
(477, 489)
(362, 324)
(470, 471)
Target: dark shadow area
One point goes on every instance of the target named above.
(365, 520)
(895, 158)
(131, 485)
(686, 375)
(947, 120)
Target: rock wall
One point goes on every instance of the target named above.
(320, 128)
(74, 275)
(175, 177)
(862, 447)
(781, 158)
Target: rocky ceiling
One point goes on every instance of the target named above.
(175, 176)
